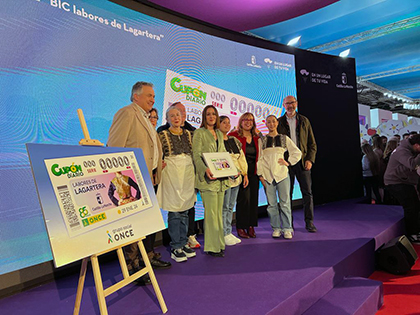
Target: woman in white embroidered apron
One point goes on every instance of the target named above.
(234, 147)
(176, 193)
(272, 168)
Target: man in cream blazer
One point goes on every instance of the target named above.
(131, 128)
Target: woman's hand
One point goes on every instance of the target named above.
(163, 164)
(262, 181)
(283, 162)
(246, 181)
(210, 174)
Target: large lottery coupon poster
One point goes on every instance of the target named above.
(195, 95)
(93, 198)
(94, 190)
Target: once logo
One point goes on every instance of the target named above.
(123, 235)
(94, 219)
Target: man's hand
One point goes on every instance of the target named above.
(210, 174)
(283, 162)
(308, 165)
(163, 164)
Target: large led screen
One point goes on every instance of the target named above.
(58, 56)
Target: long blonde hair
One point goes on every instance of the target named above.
(391, 145)
(372, 158)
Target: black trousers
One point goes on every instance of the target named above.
(305, 182)
(132, 252)
(372, 183)
(247, 204)
(408, 198)
(191, 222)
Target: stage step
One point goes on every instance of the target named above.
(358, 296)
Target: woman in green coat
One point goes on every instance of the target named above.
(209, 139)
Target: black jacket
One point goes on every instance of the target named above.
(304, 134)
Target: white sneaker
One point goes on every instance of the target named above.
(192, 242)
(188, 251)
(178, 255)
(288, 235)
(237, 240)
(229, 241)
(276, 233)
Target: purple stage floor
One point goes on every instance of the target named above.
(258, 276)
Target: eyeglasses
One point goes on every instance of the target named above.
(248, 120)
(154, 117)
(289, 103)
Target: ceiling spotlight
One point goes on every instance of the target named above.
(294, 41)
(345, 53)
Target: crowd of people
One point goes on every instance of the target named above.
(375, 159)
(391, 169)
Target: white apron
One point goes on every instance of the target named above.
(176, 190)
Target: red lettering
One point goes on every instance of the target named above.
(215, 104)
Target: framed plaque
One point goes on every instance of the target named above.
(220, 164)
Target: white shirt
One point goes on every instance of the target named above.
(292, 126)
(155, 140)
(268, 165)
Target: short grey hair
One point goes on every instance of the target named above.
(138, 88)
(169, 109)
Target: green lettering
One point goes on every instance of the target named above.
(203, 95)
(54, 170)
(173, 86)
(65, 169)
(196, 92)
(187, 89)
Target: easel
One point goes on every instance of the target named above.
(100, 291)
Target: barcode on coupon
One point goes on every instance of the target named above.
(140, 182)
(68, 207)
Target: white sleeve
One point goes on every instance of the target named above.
(294, 153)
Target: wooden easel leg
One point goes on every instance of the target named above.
(80, 287)
(152, 277)
(123, 263)
(98, 284)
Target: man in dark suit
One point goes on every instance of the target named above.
(298, 128)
